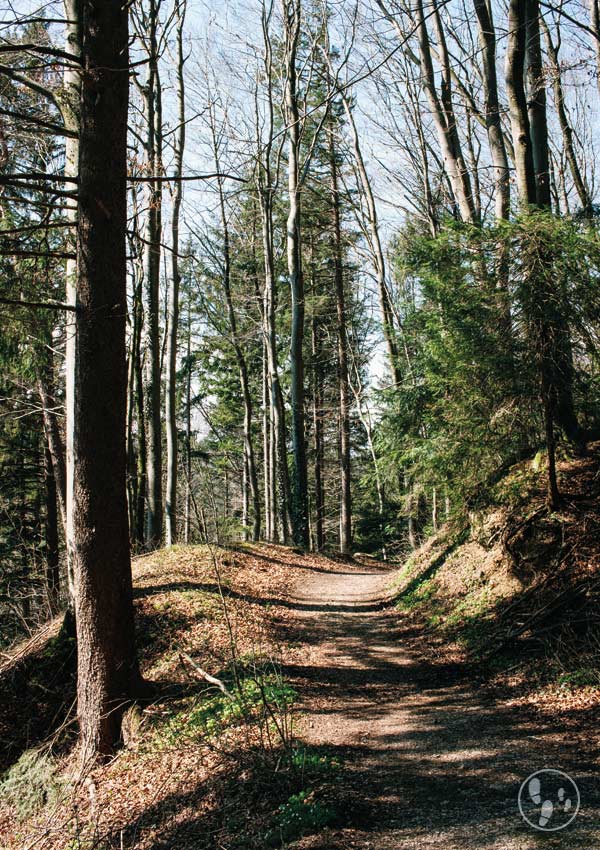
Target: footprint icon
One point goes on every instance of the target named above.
(546, 813)
(549, 800)
(566, 802)
(534, 790)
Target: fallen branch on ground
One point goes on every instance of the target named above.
(202, 674)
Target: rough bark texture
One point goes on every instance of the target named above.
(107, 663)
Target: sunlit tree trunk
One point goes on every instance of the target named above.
(493, 114)
(70, 104)
(291, 20)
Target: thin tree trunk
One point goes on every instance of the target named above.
(235, 341)
(188, 426)
(493, 115)
(173, 306)
(70, 105)
(279, 481)
(141, 486)
(52, 548)
(291, 18)
(108, 672)
(564, 123)
(280, 468)
(266, 428)
(442, 110)
(54, 444)
(595, 27)
(152, 253)
(345, 523)
(319, 449)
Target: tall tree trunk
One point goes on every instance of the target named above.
(548, 328)
(319, 449)
(268, 484)
(342, 346)
(152, 252)
(188, 425)
(279, 484)
(291, 19)
(108, 671)
(173, 307)
(142, 482)
(493, 114)
(442, 110)
(280, 495)
(70, 113)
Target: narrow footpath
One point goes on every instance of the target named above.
(429, 758)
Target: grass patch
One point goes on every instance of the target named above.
(32, 783)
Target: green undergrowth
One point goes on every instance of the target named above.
(302, 813)
(250, 697)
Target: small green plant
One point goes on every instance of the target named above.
(314, 763)
(300, 815)
(31, 783)
(579, 678)
(246, 701)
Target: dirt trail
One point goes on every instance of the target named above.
(430, 759)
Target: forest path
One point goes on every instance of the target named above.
(429, 758)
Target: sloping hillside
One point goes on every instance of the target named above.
(517, 590)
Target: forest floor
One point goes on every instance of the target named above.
(352, 719)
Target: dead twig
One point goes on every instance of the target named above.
(183, 656)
